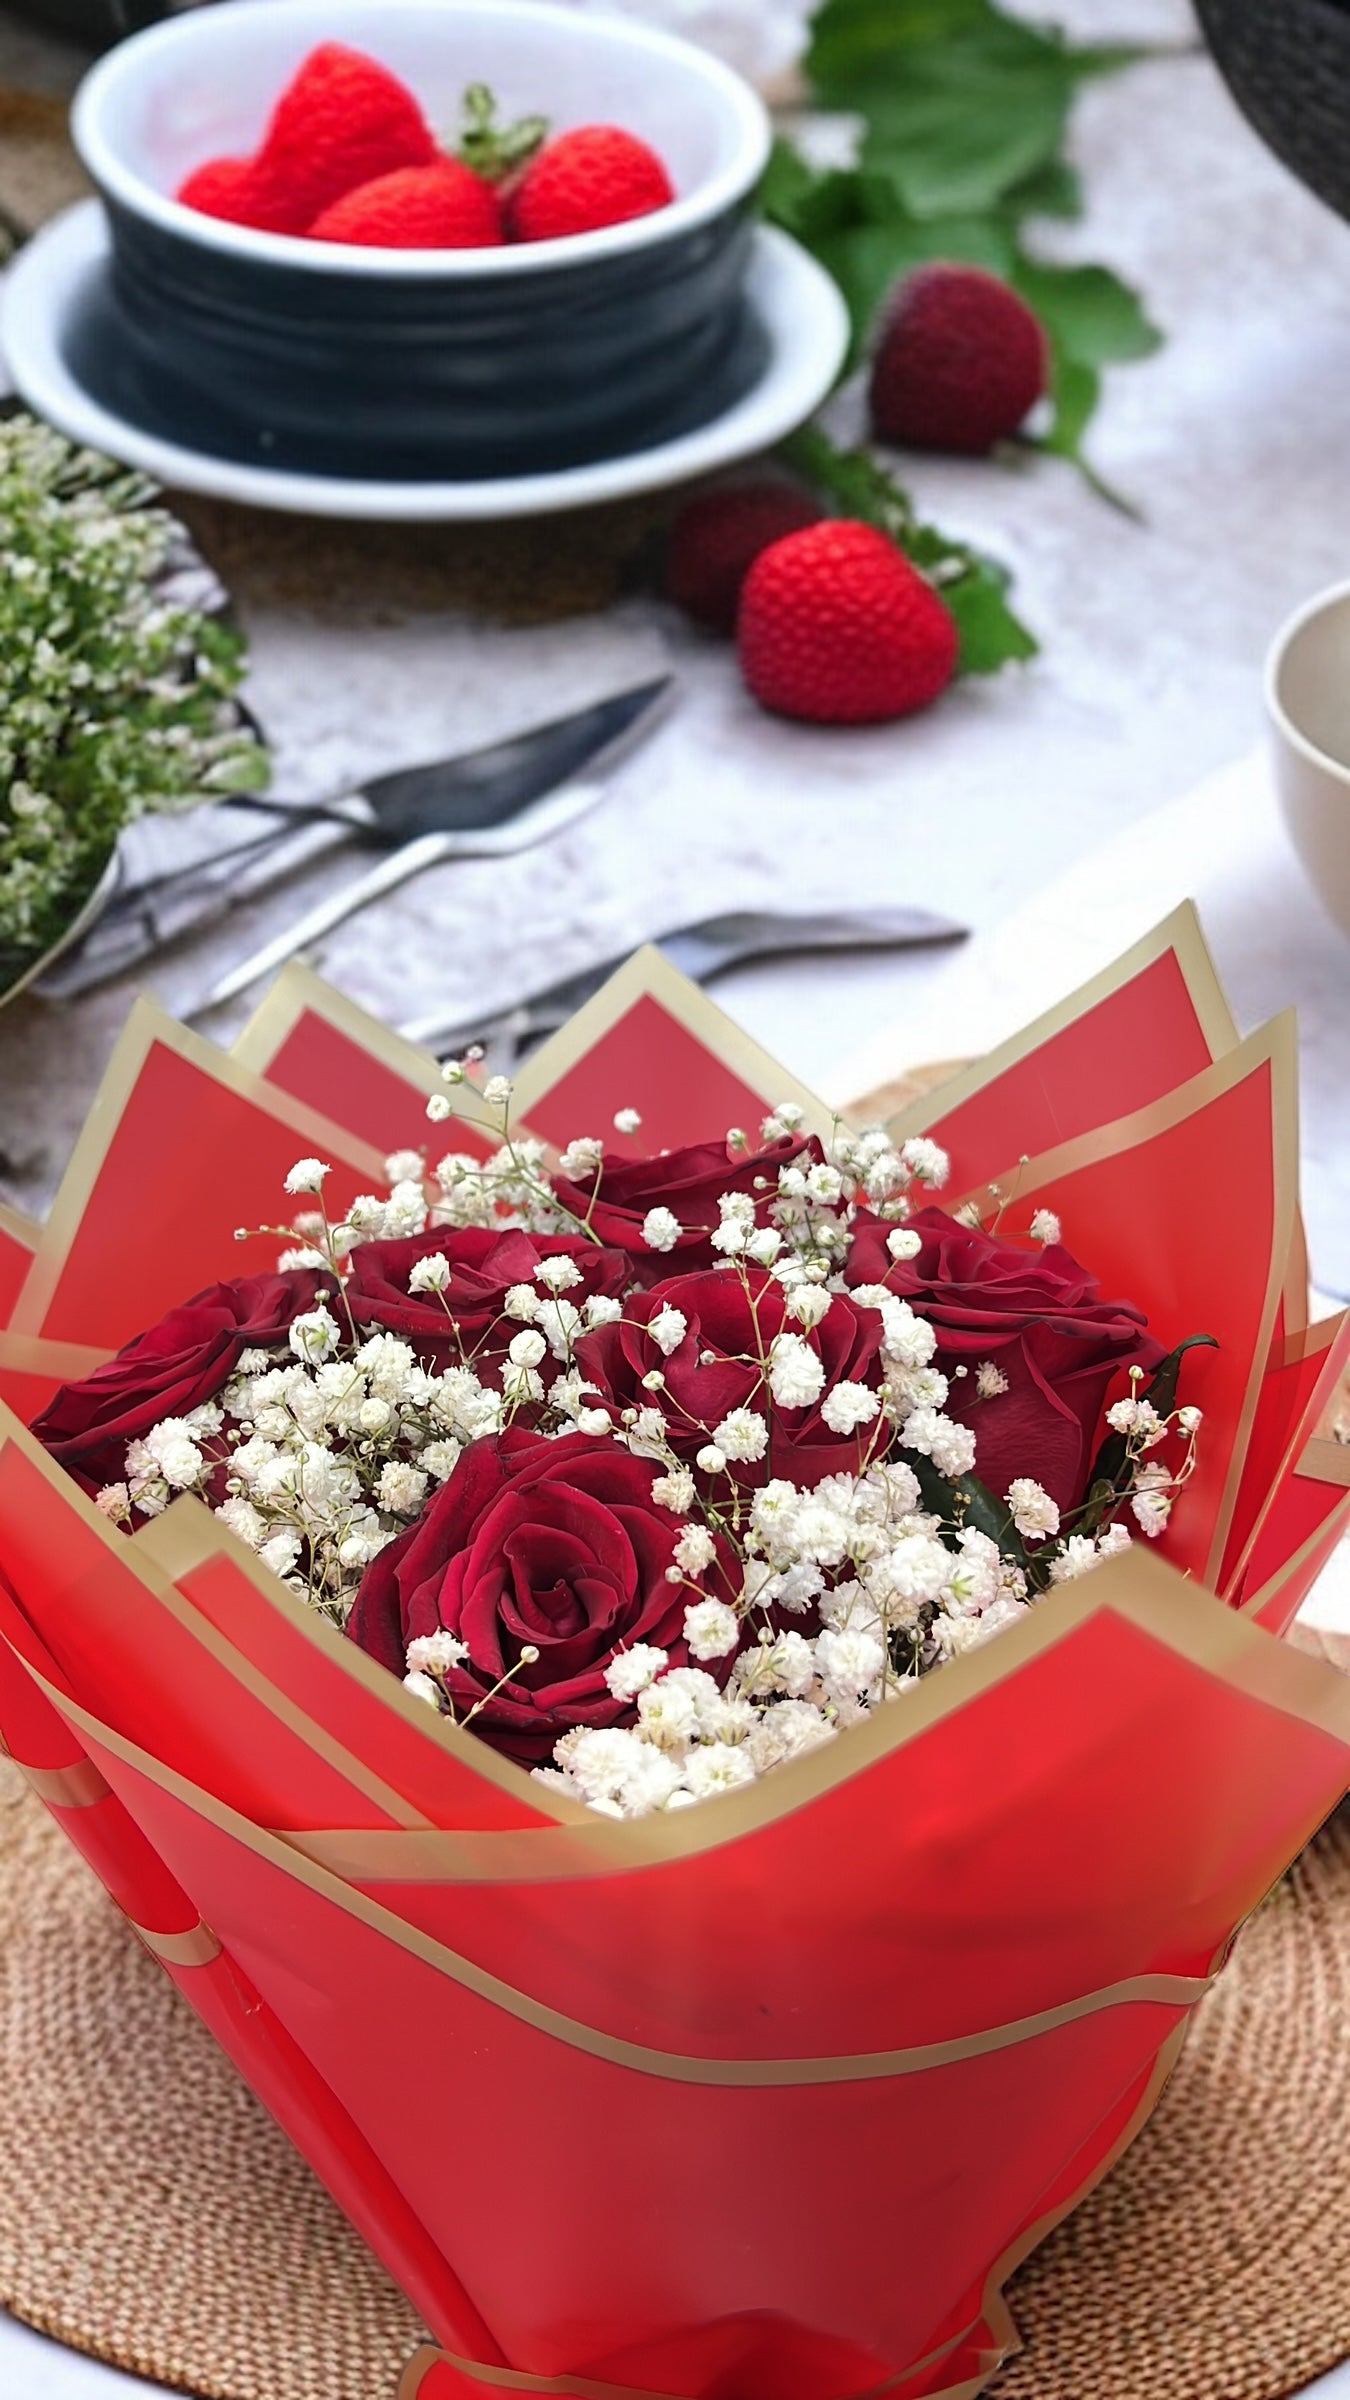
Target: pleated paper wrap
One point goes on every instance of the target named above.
(763, 2101)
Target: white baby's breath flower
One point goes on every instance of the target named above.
(1112, 1540)
(430, 1274)
(1033, 1511)
(582, 1158)
(718, 1767)
(402, 1488)
(436, 1653)
(630, 1671)
(1190, 1420)
(668, 1714)
(796, 1374)
(810, 1304)
(626, 1120)
(711, 1629)
(846, 1406)
(280, 1551)
(594, 1421)
(315, 1335)
(521, 1302)
(742, 1436)
(422, 1688)
(1078, 1556)
(1045, 1227)
(307, 1175)
(710, 1460)
(696, 1549)
(661, 1229)
(602, 1309)
(903, 1244)
(527, 1349)
(668, 1329)
(1138, 1418)
(990, 1381)
(764, 1244)
(950, 1446)
(557, 1274)
(675, 1491)
(440, 1459)
(1151, 1501)
(439, 1107)
(173, 1450)
(243, 1519)
(405, 1166)
(114, 1502)
(497, 1091)
(926, 1162)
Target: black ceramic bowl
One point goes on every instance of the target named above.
(1287, 64)
(332, 359)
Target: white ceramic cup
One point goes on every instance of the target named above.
(1308, 701)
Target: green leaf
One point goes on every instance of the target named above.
(1090, 315)
(974, 587)
(992, 635)
(979, 1508)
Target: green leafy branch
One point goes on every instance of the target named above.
(965, 116)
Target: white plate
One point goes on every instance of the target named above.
(798, 304)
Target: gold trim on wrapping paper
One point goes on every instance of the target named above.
(1311, 1341)
(298, 992)
(146, 1026)
(1336, 1520)
(1166, 1991)
(80, 1786)
(1143, 1589)
(33, 1354)
(649, 974)
(198, 1947)
(187, 1536)
(26, 1231)
(1326, 1462)
(994, 2311)
(149, 1554)
(1274, 1045)
(1180, 933)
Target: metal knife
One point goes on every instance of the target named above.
(701, 951)
(562, 802)
(470, 792)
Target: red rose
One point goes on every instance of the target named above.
(717, 1368)
(186, 1359)
(555, 1544)
(689, 1183)
(1039, 1318)
(483, 1266)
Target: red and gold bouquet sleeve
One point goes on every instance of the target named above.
(762, 2100)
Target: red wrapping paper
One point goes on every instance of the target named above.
(764, 2101)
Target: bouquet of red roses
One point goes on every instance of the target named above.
(749, 1644)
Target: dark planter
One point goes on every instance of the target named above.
(97, 22)
(1287, 65)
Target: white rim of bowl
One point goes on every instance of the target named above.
(120, 182)
(1333, 596)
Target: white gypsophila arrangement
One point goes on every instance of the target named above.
(803, 1605)
(116, 698)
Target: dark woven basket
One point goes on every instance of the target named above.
(1287, 64)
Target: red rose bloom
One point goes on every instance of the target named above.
(689, 1183)
(1039, 1318)
(186, 1359)
(717, 1367)
(554, 1544)
(483, 1266)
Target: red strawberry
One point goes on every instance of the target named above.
(229, 188)
(717, 537)
(597, 175)
(961, 361)
(836, 626)
(343, 120)
(445, 207)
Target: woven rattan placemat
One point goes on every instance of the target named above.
(150, 2211)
